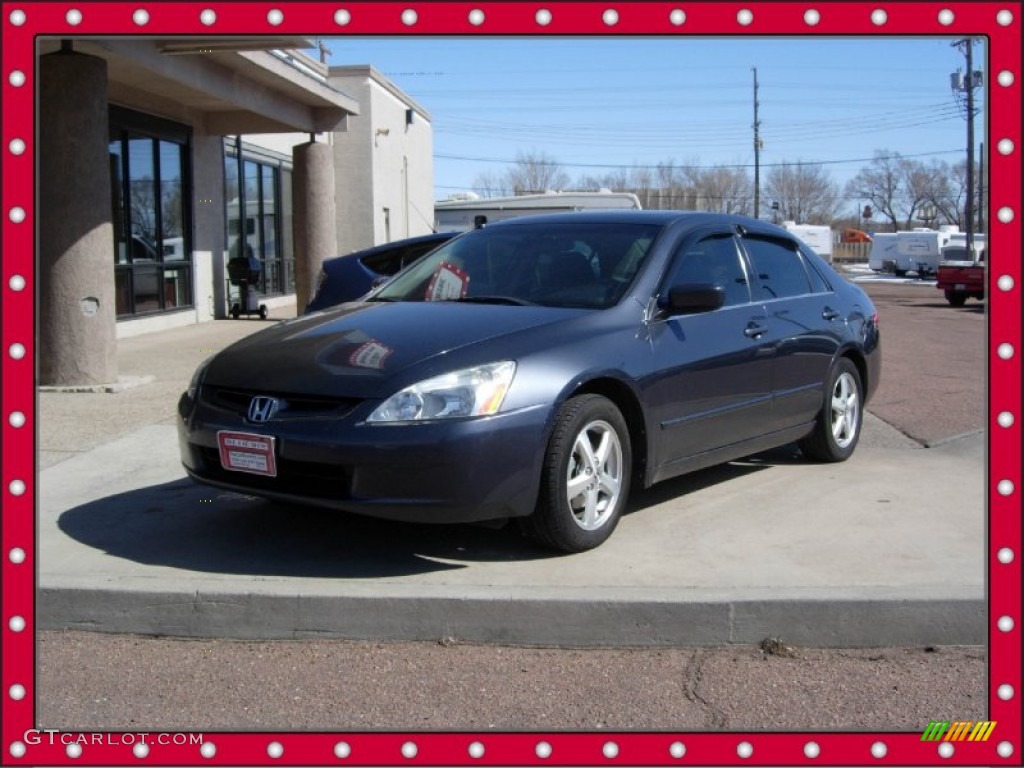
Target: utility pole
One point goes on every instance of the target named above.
(969, 84)
(757, 153)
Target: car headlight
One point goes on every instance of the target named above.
(470, 392)
(197, 379)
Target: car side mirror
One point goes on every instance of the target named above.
(692, 298)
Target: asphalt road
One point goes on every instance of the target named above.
(932, 390)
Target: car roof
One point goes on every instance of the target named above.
(656, 217)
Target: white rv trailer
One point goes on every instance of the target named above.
(818, 236)
(470, 211)
(918, 250)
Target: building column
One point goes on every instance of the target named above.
(313, 209)
(77, 316)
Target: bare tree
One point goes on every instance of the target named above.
(723, 189)
(805, 192)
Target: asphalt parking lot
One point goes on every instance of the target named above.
(722, 559)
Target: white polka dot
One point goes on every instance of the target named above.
(811, 17)
(1005, 351)
(18, 749)
(16, 692)
(208, 17)
(677, 17)
(1005, 282)
(610, 750)
(1005, 624)
(1004, 18)
(73, 17)
(208, 750)
(1005, 555)
(745, 17)
(946, 749)
(1005, 749)
(476, 750)
(1005, 146)
(543, 750)
(17, 17)
(879, 17)
(141, 17)
(610, 17)
(409, 750)
(409, 17)
(1005, 487)
(16, 78)
(17, 351)
(476, 17)
(1005, 78)
(811, 749)
(275, 749)
(1005, 692)
(745, 749)
(16, 419)
(879, 750)
(946, 17)
(1005, 214)
(17, 624)
(17, 147)
(17, 214)
(275, 16)
(543, 17)
(16, 556)
(141, 750)
(74, 751)
(17, 487)
(342, 750)
(16, 283)
(342, 17)
(677, 750)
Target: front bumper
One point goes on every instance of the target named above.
(440, 472)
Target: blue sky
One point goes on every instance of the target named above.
(596, 103)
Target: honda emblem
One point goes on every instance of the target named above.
(262, 409)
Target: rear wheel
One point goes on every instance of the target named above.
(956, 298)
(837, 428)
(585, 479)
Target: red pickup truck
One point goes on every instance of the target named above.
(960, 276)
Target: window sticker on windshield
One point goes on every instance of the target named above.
(448, 283)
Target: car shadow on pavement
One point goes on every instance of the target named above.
(185, 525)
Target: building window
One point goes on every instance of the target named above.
(258, 194)
(150, 189)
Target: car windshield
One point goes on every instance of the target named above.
(558, 264)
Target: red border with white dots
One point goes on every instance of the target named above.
(999, 22)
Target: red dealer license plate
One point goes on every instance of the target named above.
(244, 452)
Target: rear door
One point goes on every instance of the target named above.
(805, 322)
(714, 384)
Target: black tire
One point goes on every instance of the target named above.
(837, 428)
(900, 272)
(588, 428)
(235, 311)
(956, 298)
(263, 312)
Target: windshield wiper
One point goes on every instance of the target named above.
(511, 300)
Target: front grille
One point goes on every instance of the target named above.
(290, 407)
(298, 478)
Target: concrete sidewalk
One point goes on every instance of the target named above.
(886, 549)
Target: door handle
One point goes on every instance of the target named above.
(829, 314)
(753, 330)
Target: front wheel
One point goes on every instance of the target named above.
(585, 479)
(837, 428)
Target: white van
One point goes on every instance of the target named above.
(918, 250)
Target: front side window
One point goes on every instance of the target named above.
(712, 261)
(778, 267)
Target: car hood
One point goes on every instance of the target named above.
(368, 349)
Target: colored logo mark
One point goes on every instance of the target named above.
(959, 730)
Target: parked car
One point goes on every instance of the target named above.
(961, 275)
(350, 277)
(539, 367)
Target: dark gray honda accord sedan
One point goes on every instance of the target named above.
(538, 367)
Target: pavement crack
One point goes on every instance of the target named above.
(692, 676)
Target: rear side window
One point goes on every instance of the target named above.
(779, 268)
(716, 261)
(390, 261)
